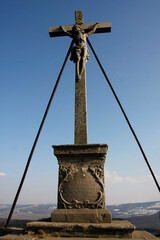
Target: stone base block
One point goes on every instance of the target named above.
(116, 229)
(81, 215)
(81, 176)
(137, 235)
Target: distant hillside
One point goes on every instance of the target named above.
(18, 223)
(134, 209)
(30, 211)
(143, 215)
(37, 211)
(150, 223)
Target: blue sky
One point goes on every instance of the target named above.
(30, 62)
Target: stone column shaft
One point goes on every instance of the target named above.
(81, 135)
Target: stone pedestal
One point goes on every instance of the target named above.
(81, 190)
(116, 229)
(81, 211)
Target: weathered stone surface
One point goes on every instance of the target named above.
(78, 17)
(115, 229)
(80, 126)
(81, 175)
(139, 235)
(81, 150)
(81, 215)
(81, 183)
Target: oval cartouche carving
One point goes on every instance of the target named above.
(81, 186)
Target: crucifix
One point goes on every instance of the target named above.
(79, 55)
(81, 190)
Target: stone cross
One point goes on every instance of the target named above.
(81, 136)
(81, 209)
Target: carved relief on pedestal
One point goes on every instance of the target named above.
(81, 186)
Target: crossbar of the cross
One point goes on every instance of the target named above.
(103, 27)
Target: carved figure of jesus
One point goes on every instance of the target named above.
(79, 53)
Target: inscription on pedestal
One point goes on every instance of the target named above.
(74, 191)
(81, 176)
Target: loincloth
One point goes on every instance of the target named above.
(77, 52)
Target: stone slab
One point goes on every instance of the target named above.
(81, 215)
(73, 150)
(115, 229)
(21, 234)
(139, 235)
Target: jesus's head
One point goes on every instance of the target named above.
(76, 29)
